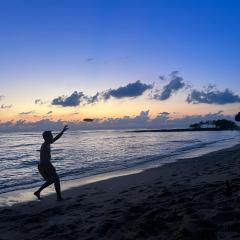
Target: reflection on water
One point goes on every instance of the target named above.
(79, 154)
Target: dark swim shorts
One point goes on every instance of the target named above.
(48, 172)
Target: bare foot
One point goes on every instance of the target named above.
(37, 194)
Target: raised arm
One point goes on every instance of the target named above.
(60, 134)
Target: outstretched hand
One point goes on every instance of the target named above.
(65, 128)
(60, 134)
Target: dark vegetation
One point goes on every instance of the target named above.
(221, 124)
(214, 125)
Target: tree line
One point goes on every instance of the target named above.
(218, 124)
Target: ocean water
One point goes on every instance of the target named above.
(79, 154)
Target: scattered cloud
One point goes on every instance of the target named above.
(23, 125)
(130, 90)
(3, 106)
(39, 101)
(162, 77)
(176, 83)
(72, 101)
(27, 113)
(94, 99)
(211, 95)
(89, 60)
(174, 73)
(163, 120)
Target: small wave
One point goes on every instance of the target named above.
(126, 137)
(28, 164)
(23, 145)
(199, 145)
(57, 150)
(15, 157)
(4, 188)
(184, 141)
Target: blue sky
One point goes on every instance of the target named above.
(53, 48)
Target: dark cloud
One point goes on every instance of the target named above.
(164, 113)
(3, 106)
(211, 95)
(176, 83)
(130, 90)
(40, 101)
(162, 77)
(88, 59)
(72, 101)
(26, 113)
(160, 120)
(174, 73)
(94, 99)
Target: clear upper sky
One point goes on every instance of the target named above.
(51, 48)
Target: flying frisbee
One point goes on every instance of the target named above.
(88, 120)
(237, 117)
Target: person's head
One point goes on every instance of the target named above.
(47, 136)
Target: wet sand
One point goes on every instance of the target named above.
(187, 199)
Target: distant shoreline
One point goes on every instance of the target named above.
(184, 130)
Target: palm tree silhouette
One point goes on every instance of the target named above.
(237, 117)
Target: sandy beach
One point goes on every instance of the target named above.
(187, 199)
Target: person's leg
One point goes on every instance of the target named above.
(58, 189)
(46, 184)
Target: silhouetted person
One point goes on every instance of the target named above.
(45, 167)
